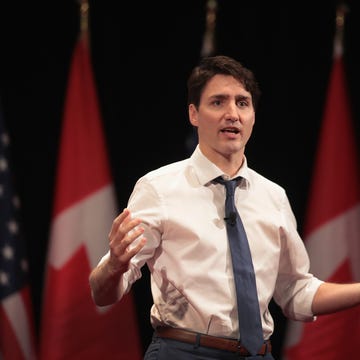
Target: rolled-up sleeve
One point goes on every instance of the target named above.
(295, 286)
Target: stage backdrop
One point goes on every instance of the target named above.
(142, 53)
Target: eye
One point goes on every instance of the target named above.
(216, 102)
(242, 103)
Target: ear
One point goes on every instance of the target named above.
(193, 115)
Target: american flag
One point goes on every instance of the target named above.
(16, 321)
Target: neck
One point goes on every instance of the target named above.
(228, 163)
(230, 169)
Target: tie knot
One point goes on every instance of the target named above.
(230, 185)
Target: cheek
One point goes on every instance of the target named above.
(250, 122)
(250, 128)
(206, 130)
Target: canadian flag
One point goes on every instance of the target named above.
(332, 229)
(72, 327)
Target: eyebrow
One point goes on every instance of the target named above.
(243, 97)
(224, 96)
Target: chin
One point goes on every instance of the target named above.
(232, 149)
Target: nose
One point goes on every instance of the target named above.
(232, 114)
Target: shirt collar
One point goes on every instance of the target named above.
(206, 171)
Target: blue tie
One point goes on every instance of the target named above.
(251, 334)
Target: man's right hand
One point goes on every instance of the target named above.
(123, 233)
(125, 241)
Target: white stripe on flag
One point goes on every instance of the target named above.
(17, 315)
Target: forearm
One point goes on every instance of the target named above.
(331, 298)
(104, 284)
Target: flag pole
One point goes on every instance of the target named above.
(341, 11)
(208, 46)
(84, 20)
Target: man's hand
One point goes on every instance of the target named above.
(122, 236)
(125, 241)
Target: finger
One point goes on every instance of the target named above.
(128, 239)
(120, 219)
(129, 246)
(133, 250)
(125, 235)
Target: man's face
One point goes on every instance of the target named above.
(225, 118)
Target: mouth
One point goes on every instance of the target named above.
(231, 130)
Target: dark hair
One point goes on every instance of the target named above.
(213, 65)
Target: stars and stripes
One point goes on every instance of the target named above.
(16, 320)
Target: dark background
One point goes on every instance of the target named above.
(142, 53)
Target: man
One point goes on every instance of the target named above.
(175, 224)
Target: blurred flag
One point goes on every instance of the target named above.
(72, 326)
(332, 229)
(17, 336)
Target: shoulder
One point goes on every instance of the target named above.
(165, 176)
(257, 179)
(169, 170)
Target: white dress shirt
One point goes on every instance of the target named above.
(188, 255)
